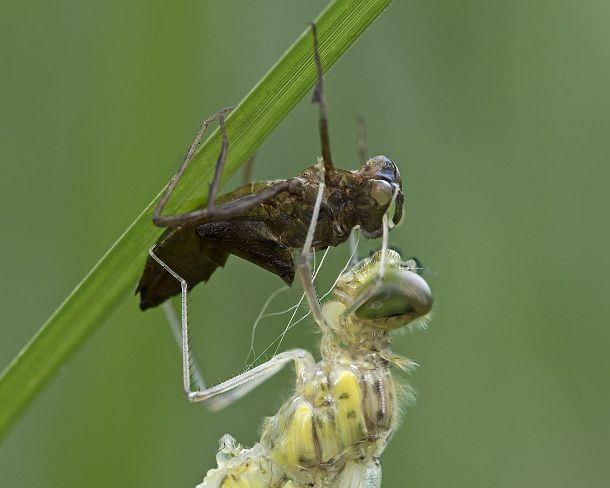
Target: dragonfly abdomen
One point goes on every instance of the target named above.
(342, 412)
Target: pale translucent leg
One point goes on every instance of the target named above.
(303, 266)
(175, 326)
(225, 393)
(379, 278)
(353, 247)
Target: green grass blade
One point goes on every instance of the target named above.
(114, 277)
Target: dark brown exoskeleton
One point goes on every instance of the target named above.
(262, 222)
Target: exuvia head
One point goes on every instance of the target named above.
(381, 185)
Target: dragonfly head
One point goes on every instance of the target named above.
(402, 296)
(381, 187)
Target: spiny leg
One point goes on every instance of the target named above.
(175, 327)
(211, 211)
(220, 164)
(319, 97)
(225, 393)
(162, 220)
(231, 390)
(303, 266)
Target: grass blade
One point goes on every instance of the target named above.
(114, 276)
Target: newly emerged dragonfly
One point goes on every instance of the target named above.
(333, 429)
(263, 222)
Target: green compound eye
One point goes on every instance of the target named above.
(403, 296)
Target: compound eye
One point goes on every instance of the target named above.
(402, 297)
(381, 191)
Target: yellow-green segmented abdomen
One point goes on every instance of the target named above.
(344, 412)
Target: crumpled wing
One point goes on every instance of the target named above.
(194, 251)
(253, 240)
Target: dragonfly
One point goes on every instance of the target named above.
(265, 222)
(334, 428)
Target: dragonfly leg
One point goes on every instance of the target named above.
(380, 274)
(212, 211)
(303, 266)
(220, 115)
(353, 247)
(219, 396)
(176, 328)
(225, 393)
(319, 97)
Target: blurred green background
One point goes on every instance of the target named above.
(498, 114)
